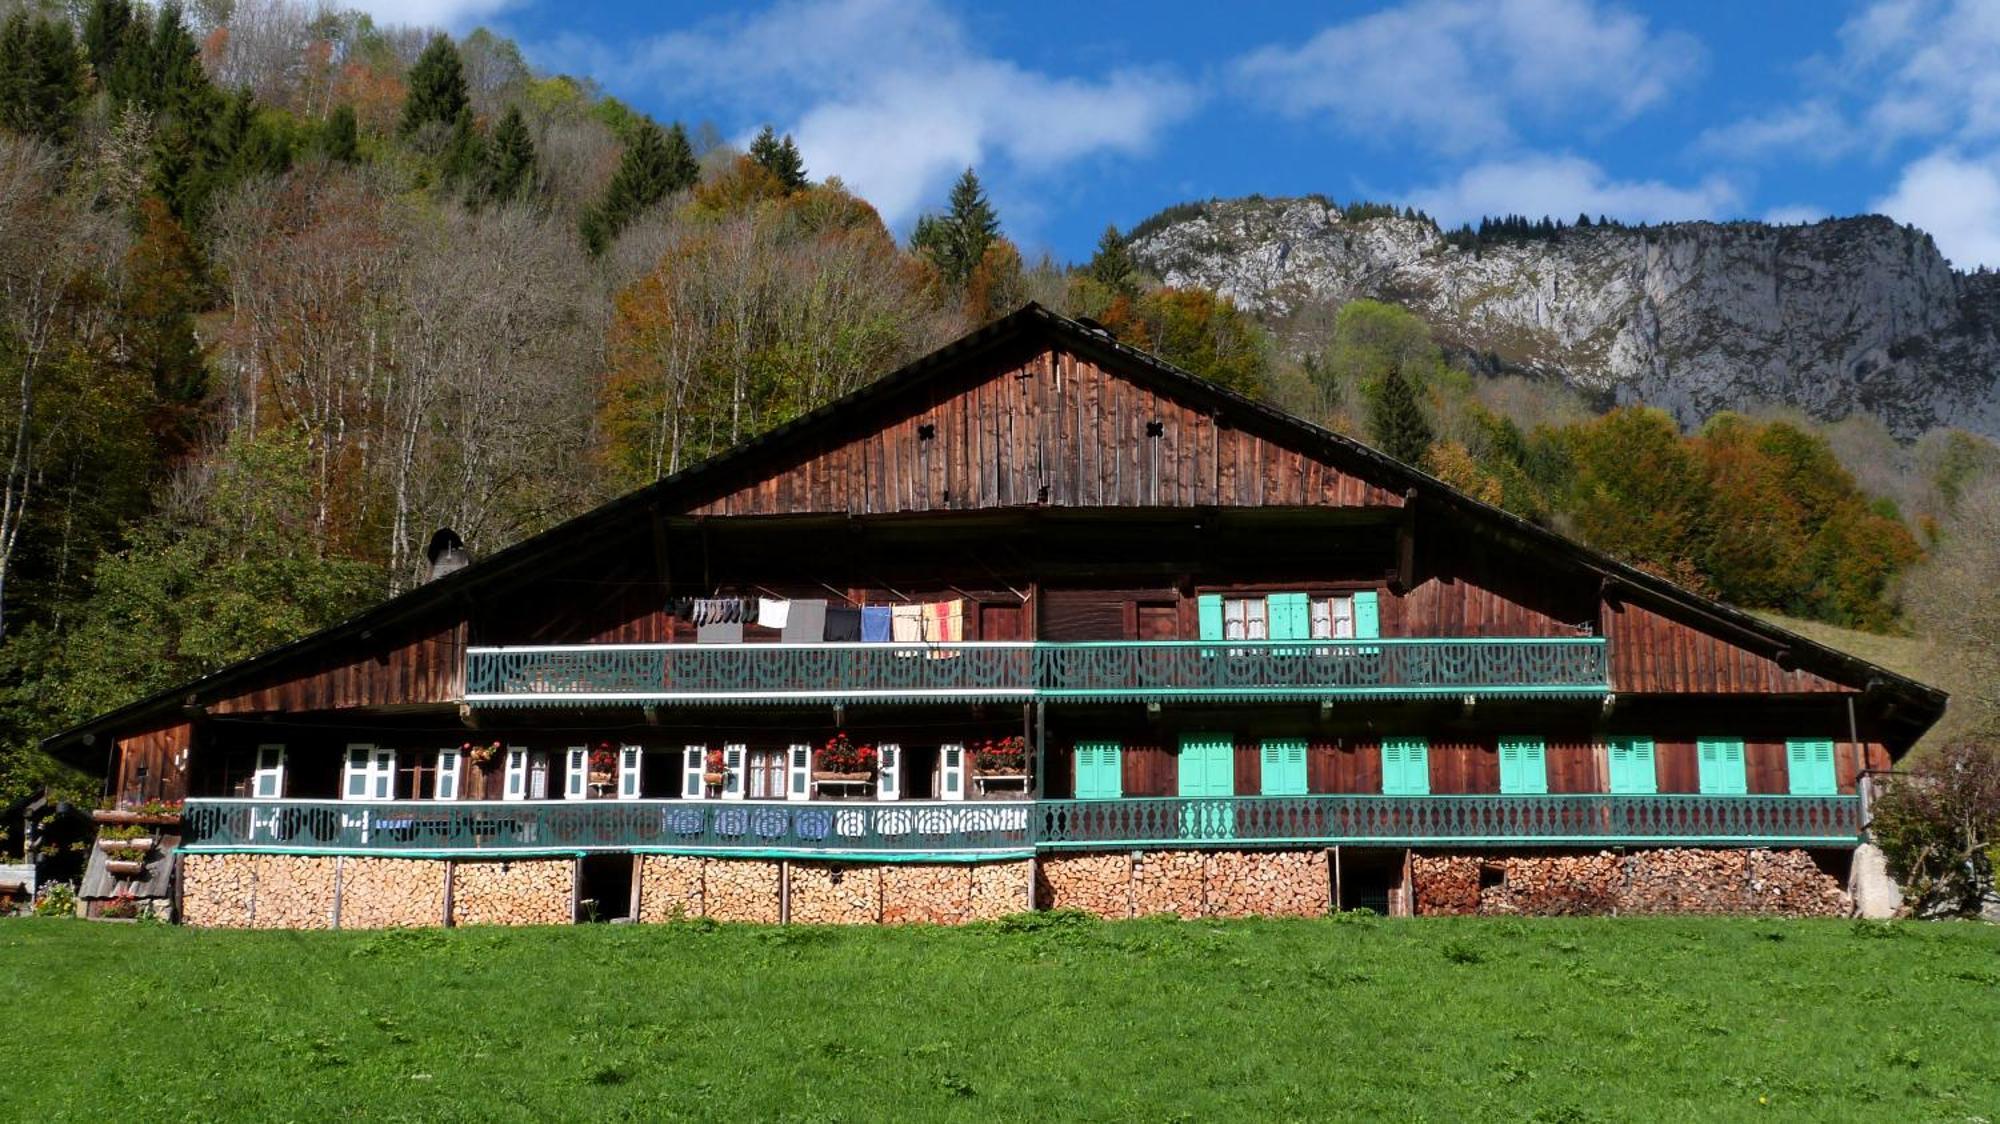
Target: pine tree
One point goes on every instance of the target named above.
(438, 92)
(1111, 266)
(955, 242)
(41, 77)
(1397, 421)
(339, 139)
(780, 158)
(104, 34)
(464, 157)
(656, 164)
(510, 160)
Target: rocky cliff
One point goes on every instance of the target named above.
(1838, 317)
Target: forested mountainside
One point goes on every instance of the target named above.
(282, 291)
(1846, 316)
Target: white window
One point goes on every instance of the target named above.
(890, 778)
(951, 772)
(630, 757)
(451, 769)
(268, 782)
(576, 778)
(733, 760)
(767, 774)
(799, 775)
(693, 763)
(517, 773)
(1244, 618)
(538, 774)
(1333, 618)
(370, 773)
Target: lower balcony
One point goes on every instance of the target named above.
(974, 830)
(440, 828)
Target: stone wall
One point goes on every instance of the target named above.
(1670, 880)
(1187, 883)
(513, 892)
(818, 893)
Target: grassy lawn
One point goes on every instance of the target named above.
(1045, 1018)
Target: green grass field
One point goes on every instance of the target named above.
(1048, 1018)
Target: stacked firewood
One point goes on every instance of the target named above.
(670, 887)
(835, 894)
(511, 892)
(1671, 880)
(1168, 882)
(1095, 883)
(923, 894)
(740, 890)
(257, 891)
(1266, 884)
(997, 890)
(1789, 882)
(377, 893)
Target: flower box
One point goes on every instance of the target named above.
(123, 868)
(120, 816)
(137, 843)
(854, 778)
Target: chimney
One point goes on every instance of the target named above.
(447, 553)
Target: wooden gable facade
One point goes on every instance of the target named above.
(1069, 490)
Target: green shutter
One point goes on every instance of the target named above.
(1721, 765)
(1406, 768)
(1284, 768)
(1099, 771)
(1207, 765)
(1288, 616)
(1809, 765)
(1632, 770)
(1208, 611)
(1523, 765)
(1367, 616)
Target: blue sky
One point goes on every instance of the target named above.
(1078, 114)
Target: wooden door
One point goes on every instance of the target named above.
(1001, 621)
(1158, 621)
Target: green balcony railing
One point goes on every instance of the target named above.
(1551, 820)
(975, 672)
(971, 830)
(423, 828)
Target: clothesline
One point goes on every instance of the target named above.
(720, 620)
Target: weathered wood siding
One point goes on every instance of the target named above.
(417, 664)
(1048, 428)
(153, 764)
(1653, 653)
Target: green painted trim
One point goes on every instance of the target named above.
(970, 856)
(1344, 641)
(1253, 843)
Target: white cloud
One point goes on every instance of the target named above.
(1455, 74)
(894, 98)
(1566, 186)
(1792, 214)
(1957, 200)
(1815, 128)
(453, 14)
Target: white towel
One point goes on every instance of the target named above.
(772, 614)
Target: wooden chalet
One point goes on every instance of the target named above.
(1036, 620)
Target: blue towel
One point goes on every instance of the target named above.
(875, 624)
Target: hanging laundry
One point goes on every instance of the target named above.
(772, 613)
(843, 625)
(806, 623)
(954, 620)
(933, 624)
(906, 624)
(875, 624)
(722, 632)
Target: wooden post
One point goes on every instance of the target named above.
(784, 892)
(1033, 869)
(339, 879)
(450, 879)
(1333, 870)
(576, 890)
(638, 880)
(1041, 750)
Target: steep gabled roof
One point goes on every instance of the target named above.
(1031, 322)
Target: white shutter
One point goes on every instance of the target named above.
(268, 782)
(517, 774)
(576, 777)
(451, 764)
(629, 758)
(384, 779)
(354, 774)
(692, 764)
(798, 773)
(732, 767)
(890, 786)
(951, 769)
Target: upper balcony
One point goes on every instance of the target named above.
(1115, 671)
